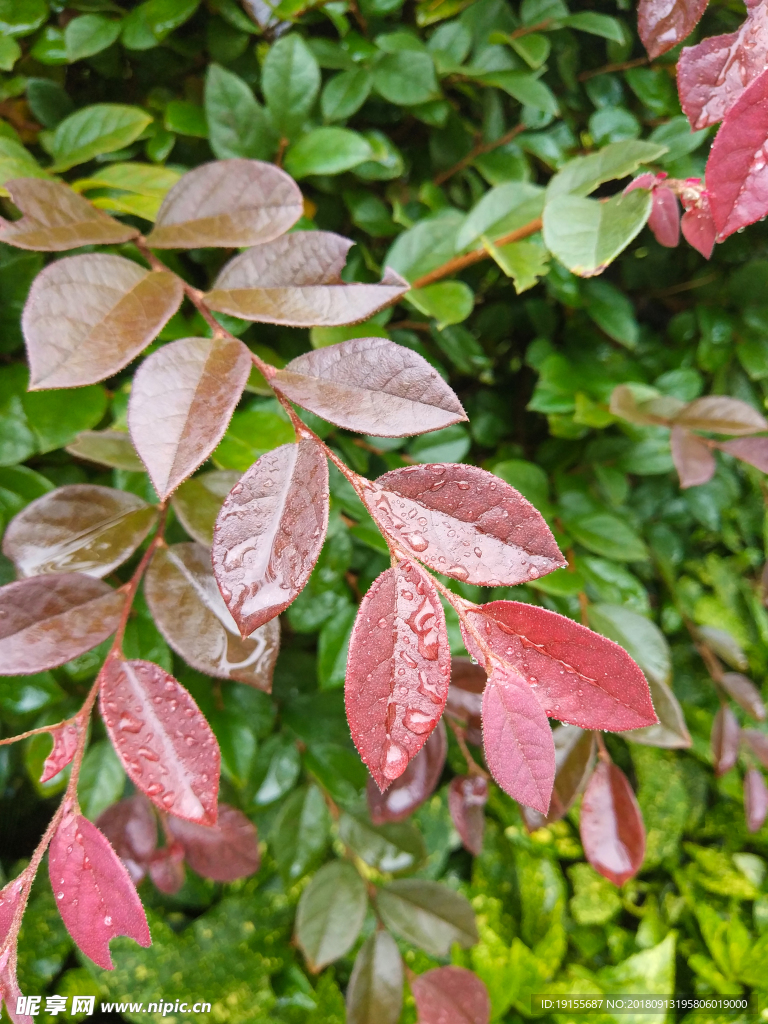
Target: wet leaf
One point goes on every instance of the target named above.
(106, 448)
(611, 825)
(465, 697)
(10, 896)
(131, 827)
(745, 693)
(330, 914)
(724, 739)
(182, 400)
(56, 218)
(753, 450)
(77, 528)
(47, 621)
(164, 742)
(693, 458)
(427, 914)
(88, 316)
(9, 987)
(577, 675)
(93, 890)
(189, 610)
(225, 851)
(464, 522)
(663, 25)
(451, 995)
(375, 991)
(574, 758)
(198, 501)
(722, 415)
(467, 796)
(671, 732)
(65, 737)
(417, 783)
(229, 203)
(698, 226)
(269, 533)
(398, 669)
(755, 799)
(372, 386)
(296, 280)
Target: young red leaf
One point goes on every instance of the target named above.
(182, 400)
(574, 758)
(517, 739)
(164, 742)
(467, 797)
(10, 896)
(755, 799)
(724, 739)
(397, 670)
(225, 851)
(372, 386)
(753, 450)
(465, 698)
(56, 218)
(577, 675)
(166, 868)
(94, 893)
(229, 203)
(46, 621)
(65, 737)
(693, 458)
(189, 611)
(464, 522)
(451, 995)
(611, 825)
(662, 24)
(757, 743)
(269, 533)
(722, 415)
(745, 693)
(664, 220)
(131, 827)
(9, 987)
(698, 227)
(86, 317)
(296, 280)
(415, 785)
(80, 528)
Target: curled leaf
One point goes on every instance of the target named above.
(65, 737)
(724, 740)
(225, 851)
(417, 783)
(451, 995)
(611, 825)
(131, 827)
(755, 799)
(467, 797)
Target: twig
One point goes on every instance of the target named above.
(602, 750)
(607, 68)
(453, 266)
(473, 768)
(480, 149)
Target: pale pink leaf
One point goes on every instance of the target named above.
(451, 995)
(755, 799)
(693, 458)
(131, 827)
(166, 868)
(698, 227)
(160, 735)
(94, 893)
(417, 783)
(724, 740)
(611, 825)
(9, 987)
(398, 669)
(722, 415)
(758, 743)
(664, 220)
(574, 758)
(65, 738)
(663, 24)
(10, 896)
(753, 450)
(225, 851)
(744, 692)
(467, 796)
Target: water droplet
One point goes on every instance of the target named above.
(418, 721)
(459, 572)
(382, 623)
(59, 895)
(107, 920)
(463, 485)
(150, 755)
(409, 661)
(128, 723)
(417, 541)
(153, 789)
(427, 689)
(478, 552)
(408, 595)
(395, 761)
(401, 671)
(168, 799)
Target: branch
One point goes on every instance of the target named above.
(457, 263)
(479, 150)
(622, 66)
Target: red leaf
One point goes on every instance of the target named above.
(65, 737)
(574, 757)
(724, 739)
(464, 522)
(465, 698)
(166, 745)
(397, 670)
(225, 851)
(753, 450)
(9, 901)
(755, 799)
(698, 227)
(517, 739)
(577, 675)
(736, 174)
(415, 785)
(9, 987)
(269, 533)
(451, 995)
(94, 893)
(662, 25)
(467, 796)
(166, 868)
(131, 827)
(664, 220)
(611, 825)
(693, 458)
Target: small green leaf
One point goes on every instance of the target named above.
(609, 536)
(22, 17)
(57, 417)
(10, 51)
(640, 637)
(102, 779)
(150, 22)
(327, 151)
(238, 126)
(345, 93)
(405, 78)
(330, 914)
(583, 175)
(89, 34)
(448, 302)
(391, 848)
(524, 261)
(251, 433)
(301, 832)
(91, 131)
(290, 81)
(523, 87)
(596, 25)
(612, 311)
(185, 118)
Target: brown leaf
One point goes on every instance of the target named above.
(372, 386)
(745, 693)
(611, 825)
(451, 995)
(671, 732)
(198, 502)
(228, 203)
(77, 528)
(131, 827)
(753, 450)
(47, 621)
(465, 697)
(467, 797)
(296, 280)
(270, 531)
(86, 317)
(724, 740)
(56, 218)
(722, 415)
(755, 799)
(662, 24)
(656, 410)
(758, 743)
(65, 738)
(111, 448)
(182, 400)
(464, 522)
(189, 610)
(693, 458)
(225, 851)
(417, 783)
(574, 757)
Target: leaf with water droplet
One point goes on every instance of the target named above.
(398, 670)
(464, 522)
(330, 914)
(724, 740)
(131, 827)
(96, 898)
(574, 759)
(755, 799)
(190, 612)
(662, 25)
(198, 501)
(451, 995)
(9, 901)
(692, 456)
(427, 914)
(225, 851)
(164, 742)
(467, 796)
(65, 737)
(269, 533)
(9, 987)
(611, 825)
(375, 991)
(415, 785)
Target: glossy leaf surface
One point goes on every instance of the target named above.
(693, 458)
(451, 995)
(417, 783)
(724, 739)
(88, 316)
(269, 533)
(467, 797)
(225, 851)
(131, 827)
(427, 914)
(755, 799)
(392, 848)
(198, 501)
(165, 745)
(65, 738)
(464, 522)
(398, 670)
(372, 386)
(330, 913)
(611, 825)
(662, 24)
(375, 991)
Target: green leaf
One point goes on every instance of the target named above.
(48, 101)
(595, 899)
(525, 261)
(583, 175)
(392, 848)
(427, 914)
(448, 302)
(150, 22)
(22, 17)
(427, 245)
(640, 637)
(300, 833)
(330, 914)
(533, 48)
(89, 34)
(10, 51)
(281, 760)
(57, 417)
(91, 131)
(290, 81)
(596, 25)
(501, 210)
(332, 648)
(250, 435)
(450, 444)
(612, 311)
(375, 992)
(345, 93)
(102, 779)
(327, 151)
(523, 87)
(49, 47)
(238, 126)
(185, 118)
(405, 78)
(21, 695)
(609, 536)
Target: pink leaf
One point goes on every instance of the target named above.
(517, 739)
(698, 227)
(664, 220)
(397, 671)
(467, 796)
(693, 458)
(611, 825)
(269, 533)
(574, 757)
(753, 450)
(464, 522)
(166, 868)
(744, 692)
(465, 698)
(9, 987)
(131, 827)
(94, 893)
(663, 24)
(225, 851)
(755, 799)
(578, 676)
(724, 740)
(758, 743)
(415, 785)
(164, 742)
(451, 995)
(65, 737)
(9, 901)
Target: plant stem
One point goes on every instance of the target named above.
(602, 750)
(473, 768)
(479, 150)
(130, 588)
(457, 263)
